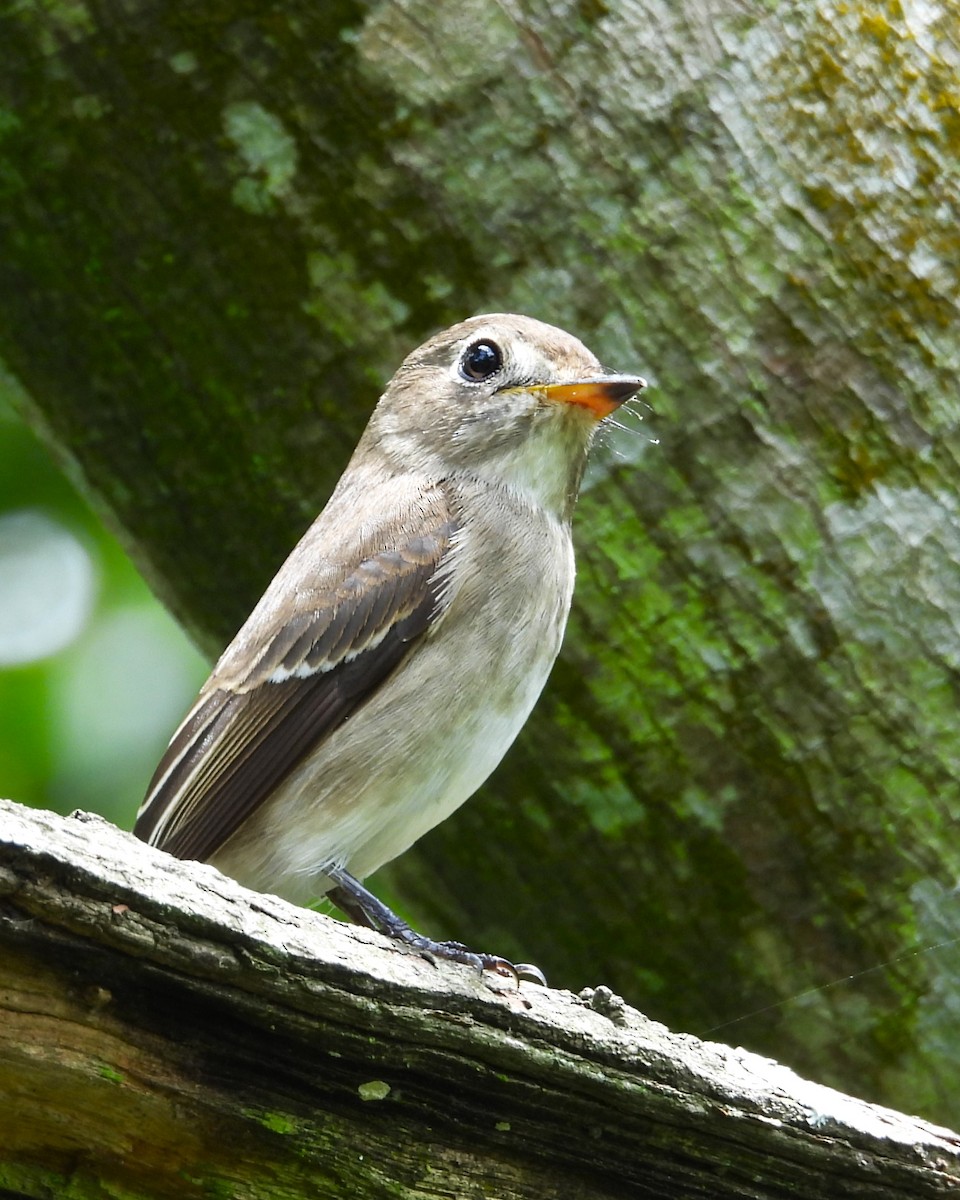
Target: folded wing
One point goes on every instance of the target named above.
(312, 667)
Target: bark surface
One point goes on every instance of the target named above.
(223, 225)
(166, 1033)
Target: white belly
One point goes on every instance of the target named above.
(428, 738)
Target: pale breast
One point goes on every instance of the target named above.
(437, 728)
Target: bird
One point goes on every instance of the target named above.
(400, 648)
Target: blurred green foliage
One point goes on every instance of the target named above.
(85, 726)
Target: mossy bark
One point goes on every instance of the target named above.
(223, 225)
(166, 1033)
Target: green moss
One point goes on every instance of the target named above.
(267, 150)
(340, 300)
(32, 1180)
(9, 122)
(274, 1121)
(212, 1188)
(184, 62)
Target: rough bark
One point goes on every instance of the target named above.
(222, 225)
(166, 1033)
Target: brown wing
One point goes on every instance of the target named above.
(319, 662)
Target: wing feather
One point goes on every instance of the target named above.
(242, 738)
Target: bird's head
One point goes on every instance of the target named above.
(507, 399)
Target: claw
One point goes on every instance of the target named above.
(531, 973)
(500, 966)
(362, 906)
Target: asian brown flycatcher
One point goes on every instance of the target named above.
(400, 648)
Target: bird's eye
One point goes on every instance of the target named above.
(480, 361)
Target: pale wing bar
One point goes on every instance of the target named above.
(236, 747)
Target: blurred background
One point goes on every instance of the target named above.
(94, 673)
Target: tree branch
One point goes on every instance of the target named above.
(169, 1032)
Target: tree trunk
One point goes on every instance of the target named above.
(167, 1033)
(222, 227)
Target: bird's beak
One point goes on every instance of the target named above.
(600, 396)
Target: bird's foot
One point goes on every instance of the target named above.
(349, 895)
(458, 952)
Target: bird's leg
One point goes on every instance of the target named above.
(363, 907)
